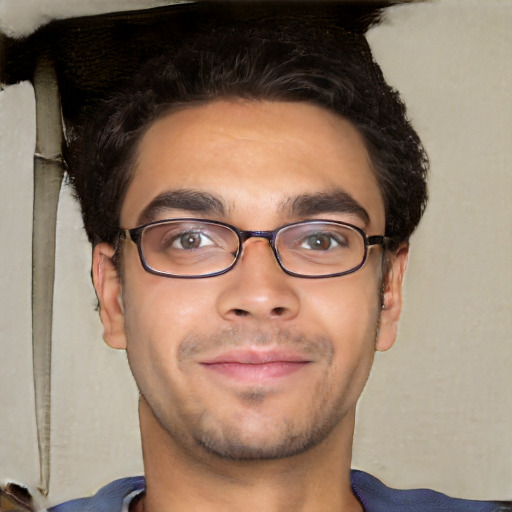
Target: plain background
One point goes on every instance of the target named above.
(437, 411)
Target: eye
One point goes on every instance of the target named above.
(190, 240)
(320, 242)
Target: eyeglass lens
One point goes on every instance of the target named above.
(199, 248)
(188, 248)
(316, 249)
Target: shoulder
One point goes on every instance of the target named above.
(376, 497)
(372, 493)
(108, 499)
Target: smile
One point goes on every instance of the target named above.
(253, 366)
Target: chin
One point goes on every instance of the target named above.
(237, 450)
(263, 441)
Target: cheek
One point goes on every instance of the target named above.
(160, 312)
(158, 315)
(348, 312)
(345, 304)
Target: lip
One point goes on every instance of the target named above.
(256, 366)
(253, 356)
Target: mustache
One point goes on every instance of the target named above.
(318, 346)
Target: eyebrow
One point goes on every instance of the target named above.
(182, 199)
(304, 205)
(307, 205)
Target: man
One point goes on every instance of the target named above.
(250, 200)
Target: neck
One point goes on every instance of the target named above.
(184, 479)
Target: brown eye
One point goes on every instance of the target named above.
(190, 240)
(318, 242)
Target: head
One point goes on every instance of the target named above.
(284, 61)
(257, 128)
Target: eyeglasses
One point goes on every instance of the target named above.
(196, 248)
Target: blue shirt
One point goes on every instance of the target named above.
(372, 493)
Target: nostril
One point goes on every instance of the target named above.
(278, 311)
(240, 312)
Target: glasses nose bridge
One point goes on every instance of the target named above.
(267, 235)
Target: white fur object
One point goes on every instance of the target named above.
(19, 18)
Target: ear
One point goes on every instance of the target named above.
(108, 289)
(392, 298)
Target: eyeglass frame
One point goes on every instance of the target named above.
(135, 235)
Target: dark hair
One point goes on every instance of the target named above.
(284, 61)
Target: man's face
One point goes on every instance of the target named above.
(253, 363)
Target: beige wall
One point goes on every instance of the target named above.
(437, 411)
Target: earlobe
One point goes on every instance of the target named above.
(109, 291)
(392, 298)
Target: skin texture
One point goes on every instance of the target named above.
(234, 436)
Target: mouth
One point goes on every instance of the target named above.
(256, 366)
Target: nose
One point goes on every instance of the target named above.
(257, 288)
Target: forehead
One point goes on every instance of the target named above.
(254, 156)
